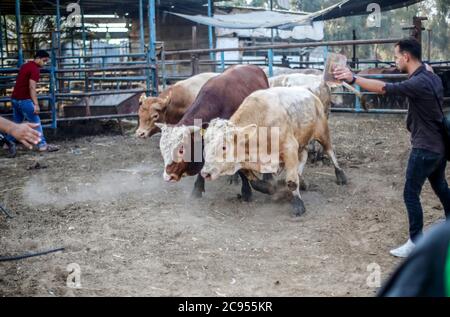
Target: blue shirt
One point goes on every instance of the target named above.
(424, 119)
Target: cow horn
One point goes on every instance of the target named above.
(143, 97)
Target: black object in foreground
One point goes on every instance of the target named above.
(28, 255)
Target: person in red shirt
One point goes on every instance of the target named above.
(25, 102)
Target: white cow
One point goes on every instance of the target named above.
(295, 115)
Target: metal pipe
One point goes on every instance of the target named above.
(222, 61)
(83, 70)
(102, 117)
(163, 67)
(358, 107)
(40, 97)
(271, 29)
(354, 50)
(19, 36)
(1, 42)
(270, 56)
(6, 35)
(104, 55)
(210, 30)
(285, 46)
(52, 86)
(371, 111)
(141, 26)
(152, 44)
(58, 22)
(100, 93)
(83, 31)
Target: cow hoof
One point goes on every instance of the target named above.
(318, 157)
(299, 206)
(263, 187)
(303, 186)
(292, 185)
(196, 193)
(268, 178)
(233, 180)
(245, 197)
(341, 179)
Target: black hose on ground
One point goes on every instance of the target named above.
(5, 211)
(28, 255)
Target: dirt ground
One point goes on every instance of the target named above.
(103, 199)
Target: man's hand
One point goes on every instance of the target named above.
(343, 73)
(26, 134)
(36, 109)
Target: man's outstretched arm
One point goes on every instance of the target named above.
(372, 85)
(411, 87)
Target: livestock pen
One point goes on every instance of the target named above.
(102, 203)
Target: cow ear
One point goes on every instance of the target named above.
(249, 131)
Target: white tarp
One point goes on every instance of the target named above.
(228, 42)
(259, 19)
(312, 32)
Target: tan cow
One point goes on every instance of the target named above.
(295, 115)
(170, 106)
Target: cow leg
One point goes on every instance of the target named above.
(264, 186)
(325, 140)
(292, 177)
(246, 190)
(298, 204)
(268, 177)
(234, 179)
(301, 167)
(199, 187)
(341, 178)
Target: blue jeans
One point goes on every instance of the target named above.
(423, 165)
(24, 109)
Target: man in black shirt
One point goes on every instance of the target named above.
(427, 159)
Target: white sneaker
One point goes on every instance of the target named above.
(404, 251)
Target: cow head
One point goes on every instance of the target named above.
(179, 146)
(225, 148)
(151, 111)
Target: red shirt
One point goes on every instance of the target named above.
(28, 71)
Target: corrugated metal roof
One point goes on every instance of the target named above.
(48, 7)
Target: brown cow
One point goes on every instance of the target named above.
(171, 104)
(219, 98)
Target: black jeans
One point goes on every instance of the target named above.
(423, 165)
